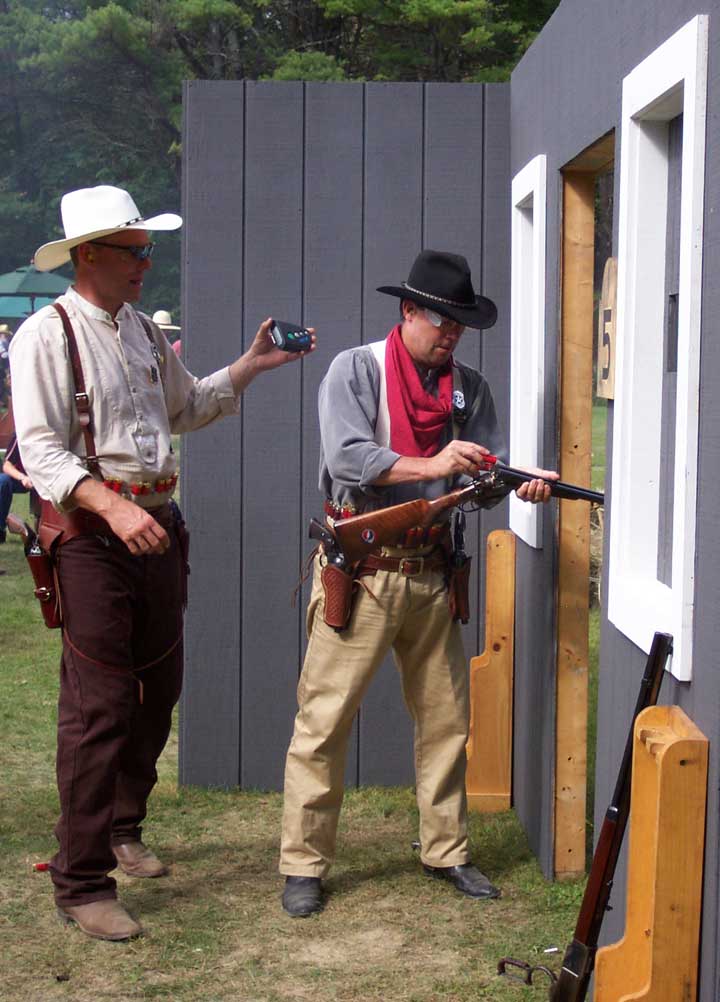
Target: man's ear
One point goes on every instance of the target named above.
(85, 253)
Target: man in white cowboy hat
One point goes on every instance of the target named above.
(390, 434)
(99, 394)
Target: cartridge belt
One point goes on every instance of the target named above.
(340, 511)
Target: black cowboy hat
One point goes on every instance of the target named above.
(441, 282)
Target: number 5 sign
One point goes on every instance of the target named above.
(605, 359)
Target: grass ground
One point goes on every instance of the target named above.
(599, 433)
(215, 929)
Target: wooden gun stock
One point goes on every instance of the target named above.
(579, 959)
(359, 535)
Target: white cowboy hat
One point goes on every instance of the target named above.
(90, 213)
(164, 321)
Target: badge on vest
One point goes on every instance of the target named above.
(459, 411)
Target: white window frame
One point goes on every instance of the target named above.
(672, 80)
(527, 335)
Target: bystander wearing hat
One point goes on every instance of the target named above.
(163, 319)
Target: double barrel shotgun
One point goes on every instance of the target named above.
(351, 539)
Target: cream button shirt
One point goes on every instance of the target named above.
(140, 394)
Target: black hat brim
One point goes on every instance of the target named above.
(481, 316)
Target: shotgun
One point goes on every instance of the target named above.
(360, 534)
(579, 960)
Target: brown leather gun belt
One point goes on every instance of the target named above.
(61, 527)
(407, 566)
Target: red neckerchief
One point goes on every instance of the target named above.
(417, 418)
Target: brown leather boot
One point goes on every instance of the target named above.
(137, 860)
(106, 919)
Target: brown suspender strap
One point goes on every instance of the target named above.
(155, 351)
(82, 401)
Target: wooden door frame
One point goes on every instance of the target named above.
(575, 461)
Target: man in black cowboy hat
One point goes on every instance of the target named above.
(389, 434)
(100, 395)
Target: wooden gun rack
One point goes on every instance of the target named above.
(488, 778)
(657, 958)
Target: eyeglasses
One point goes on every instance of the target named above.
(140, 253)
(437, 320)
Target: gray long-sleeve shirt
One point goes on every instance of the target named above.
(351, 459)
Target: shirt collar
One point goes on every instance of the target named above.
(95, 312)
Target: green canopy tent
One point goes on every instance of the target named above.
(25, 290)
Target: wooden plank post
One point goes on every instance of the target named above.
(489, 748)
(574, 523)
(657, 958)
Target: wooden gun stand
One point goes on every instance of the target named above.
(657, 958)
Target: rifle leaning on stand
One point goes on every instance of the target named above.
(572, 983)
(356, 536)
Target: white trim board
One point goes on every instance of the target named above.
(527, 336)
(670, 81)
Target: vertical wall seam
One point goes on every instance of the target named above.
(241, 467)
(301, 450)
(423, 164)
(364, 182)
(482, 527)
(184, 187)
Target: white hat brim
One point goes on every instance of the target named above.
(57, 252)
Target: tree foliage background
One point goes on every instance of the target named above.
(90, 90)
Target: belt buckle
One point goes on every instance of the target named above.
(410, 572)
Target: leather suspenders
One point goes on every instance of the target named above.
(82, 400)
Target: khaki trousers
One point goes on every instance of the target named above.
(409, 614)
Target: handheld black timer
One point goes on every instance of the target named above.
(290, 337)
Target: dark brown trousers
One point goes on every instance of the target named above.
(121, 675)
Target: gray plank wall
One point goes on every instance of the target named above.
(300, 199)
(565, 94)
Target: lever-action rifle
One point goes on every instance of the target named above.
(579, 959)
(358, 535)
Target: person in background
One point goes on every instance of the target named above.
(13, 480)
(163, 319)
(5, 338)
(103, 463)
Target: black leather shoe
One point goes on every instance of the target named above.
(302, 896)
(465, 878)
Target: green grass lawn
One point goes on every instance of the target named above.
(215, 929)
(599, 433)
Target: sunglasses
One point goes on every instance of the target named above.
(437, 319)
(139, 253)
